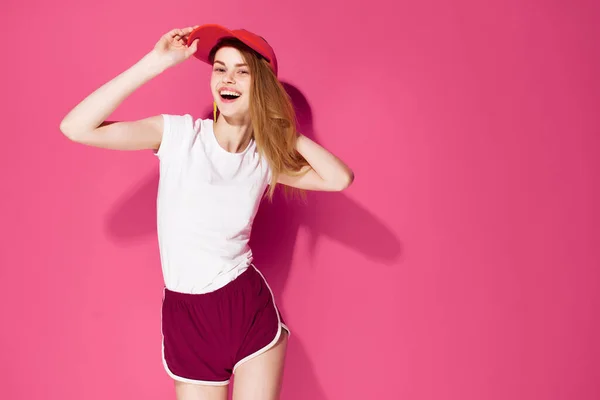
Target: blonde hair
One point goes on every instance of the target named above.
(272, 115)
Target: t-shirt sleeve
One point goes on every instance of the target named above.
(177, 135)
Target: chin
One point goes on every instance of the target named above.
(233, 113)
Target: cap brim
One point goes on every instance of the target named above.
(208, 36)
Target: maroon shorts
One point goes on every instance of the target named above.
(207, 336)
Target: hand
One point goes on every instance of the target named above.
(172, 49)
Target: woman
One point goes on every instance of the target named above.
(219, 316)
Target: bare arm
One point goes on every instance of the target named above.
(86, 122)
(326, 171)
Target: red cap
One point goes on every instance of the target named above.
(209, 35)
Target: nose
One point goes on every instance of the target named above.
(228, 77)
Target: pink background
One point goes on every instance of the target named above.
(462, 264)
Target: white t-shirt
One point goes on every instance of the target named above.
(206, 203)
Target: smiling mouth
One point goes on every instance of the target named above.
(229, 95)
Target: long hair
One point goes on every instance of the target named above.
(272, 115)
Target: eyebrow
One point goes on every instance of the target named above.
(237, 65)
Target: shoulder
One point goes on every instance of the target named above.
(179, 132)
(181, 123)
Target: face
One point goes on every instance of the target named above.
(230, 83)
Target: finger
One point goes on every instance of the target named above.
(186, 38)
(171, 33)
(192, 48)
(189, 30)
(174, 32)
(183, 33)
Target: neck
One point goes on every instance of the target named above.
(233, 134)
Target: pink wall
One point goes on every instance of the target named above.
(462, 264)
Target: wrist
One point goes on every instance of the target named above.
(152, 64)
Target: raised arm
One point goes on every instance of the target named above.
(325, 172)
(86, 122)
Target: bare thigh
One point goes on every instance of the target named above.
(260, 377)
(191, 391)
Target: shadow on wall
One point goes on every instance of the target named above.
(273, 239)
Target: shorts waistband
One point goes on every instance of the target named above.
(249, 273)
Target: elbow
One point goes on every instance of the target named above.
(64, 129)
(345, 181)
(68, 131)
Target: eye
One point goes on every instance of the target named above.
(243, 71)
(219, 69)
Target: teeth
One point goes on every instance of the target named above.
(227, 92)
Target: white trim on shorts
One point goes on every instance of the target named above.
(180, 378)
(280, 326)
